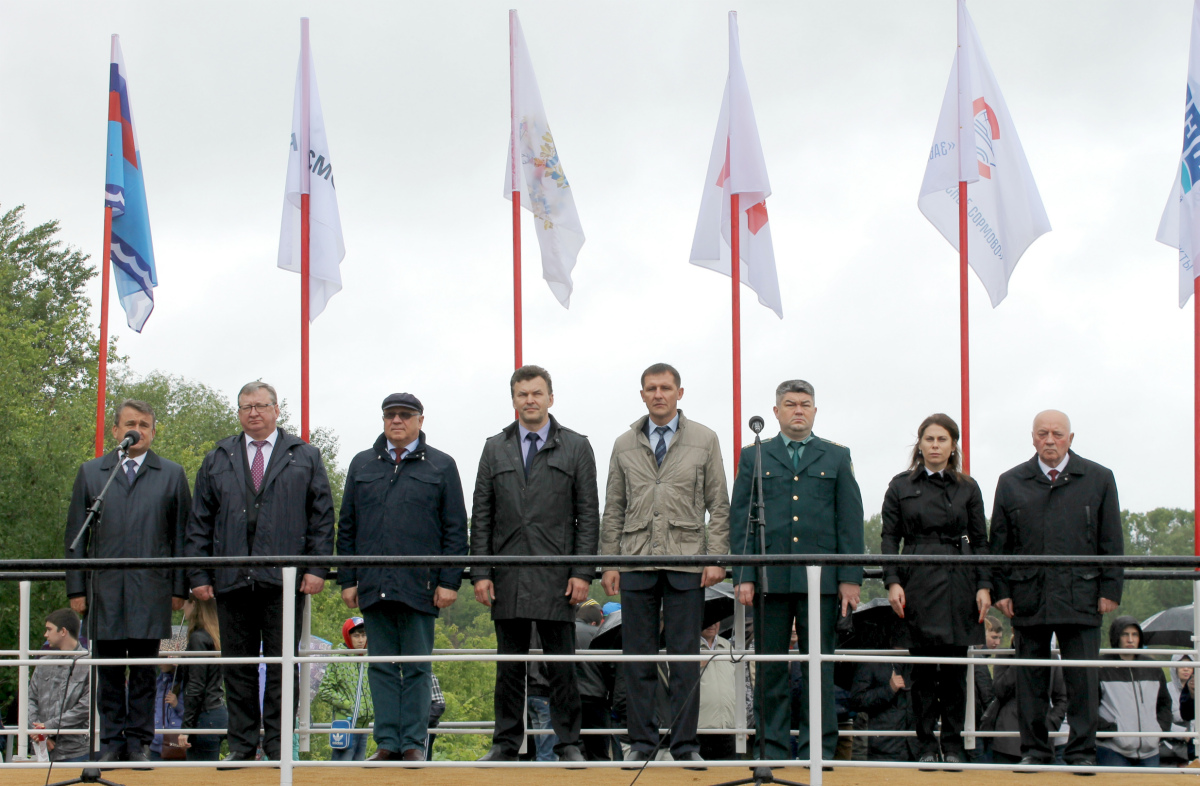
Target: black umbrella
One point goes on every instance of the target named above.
(1171, 628)
(718, 605)
(608, 637)
(875, 628)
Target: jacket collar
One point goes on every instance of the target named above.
(813, 450)
(235, 445)
(381, 449)
(639, 426)
(109, 460)
(1031, 469)
(512, 432)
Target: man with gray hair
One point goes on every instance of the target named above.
(812, 506)
(1057, 503)
(144, 515)
(259, 493)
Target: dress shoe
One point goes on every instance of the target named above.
(1082, 761)
(1030, 759)
(237, 756)
(637, 758)
(383, 754)
(953, 758)
(691, 756)
(497, 754)
(413, 754)
(136, 752)
(571, 753)
(110, 756)
(929, 758)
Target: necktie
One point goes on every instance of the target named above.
(1053, 475)
(398, 454)
(131, 470)
(794, 448)
(256, 466)
(532, 438)
(660, 450)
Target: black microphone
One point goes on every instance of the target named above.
(132, 438)
(756, 424)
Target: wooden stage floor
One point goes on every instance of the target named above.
(512, 776)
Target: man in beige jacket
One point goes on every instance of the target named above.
(664, 475)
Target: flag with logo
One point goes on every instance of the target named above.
(1180, 225)
(736, 166)
(543, 185)
(130, 247)
(976, 142)
(311, 172)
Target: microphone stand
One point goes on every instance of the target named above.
(756, 528)
(92, 523)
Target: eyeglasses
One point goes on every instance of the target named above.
(400, 414)
(259, 408)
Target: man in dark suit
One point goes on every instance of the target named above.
(535, 494)
(262, 492)
(1057, 503)
(813, 506)
(144, 515)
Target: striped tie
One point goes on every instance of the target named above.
(660, 450)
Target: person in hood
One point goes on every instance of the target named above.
(347, 691)
(1177, 751)
(1133, 699)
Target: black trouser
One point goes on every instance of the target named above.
(596, 713)
(126, 712)
(1075, 642)
(939, 692)
(557, 638)
(251, 617)
(682, 613)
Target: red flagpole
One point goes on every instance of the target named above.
(305, 145)
(102, 372)
(964, 325)
(1196, 412)
(516, 193)
(735, 272)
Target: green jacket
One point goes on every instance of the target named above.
(816, 509)
(339, 686)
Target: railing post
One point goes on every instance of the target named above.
(306, 678)
(739, 674)
(1196, 654)
(969, 730)
(815, 720)
(23, 675)
(287, 720)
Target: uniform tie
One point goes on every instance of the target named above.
(660, 450)
(256, 466)
(532, 438)
(131, 470)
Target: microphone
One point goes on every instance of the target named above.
(132, 438)
(756, 424)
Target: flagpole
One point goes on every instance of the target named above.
(305, 146)
(102, 372)
(1196, 417)
(964, 328)
(516, 191)
(735, 272)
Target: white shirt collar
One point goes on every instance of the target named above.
(136, 459)
(542, 433)
(928, 471)
(409, 448)
(270, 439)
(673, 426)
(1062, 465)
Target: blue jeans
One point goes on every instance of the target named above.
(401, 700)
(355, 751)
(1107, 757)
(207, 747)
(539, 718)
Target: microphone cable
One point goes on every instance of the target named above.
(63, 707)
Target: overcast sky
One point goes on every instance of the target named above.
(846, 95)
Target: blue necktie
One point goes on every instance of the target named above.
(532, 439)
(131, 470)
(660, 450)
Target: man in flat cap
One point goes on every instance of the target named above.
(402, 498)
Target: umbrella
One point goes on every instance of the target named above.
(718, 605)
(608, 637)
(1170, 628)
(875, 628)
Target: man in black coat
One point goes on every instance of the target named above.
(535, 494)
(262, 492)
(1057, 503)
(403, 498)
(144, 515)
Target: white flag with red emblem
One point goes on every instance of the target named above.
(736, 166)
(976, 142)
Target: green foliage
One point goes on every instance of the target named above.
(1159, 532)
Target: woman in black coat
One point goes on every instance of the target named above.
(935, 509)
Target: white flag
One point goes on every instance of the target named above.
(1180, 225)
(311, 172)
(976, 142)
(543, 185)
(736, 166)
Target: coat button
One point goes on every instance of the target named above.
(822, 474)
(768, 473)
(795, 518)
(656, 513)
(795, 540)
(794, 497)
(796, 478)
(383, 594)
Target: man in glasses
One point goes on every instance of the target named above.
(262, 492)
(402, 498)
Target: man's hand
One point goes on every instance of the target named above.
(312, 585)
(176, 604)
(745, 593)
(712, 575)
(897, 601)
(182, 742)
(983, 599)
(1107, 605)
(611, 581)
(350, 597)
(897, 682)
(203, 592)
(1005, 605)
(848, 595)
(79, 605)
(485, 591)
(443, 597)
(171, 699)
(49, 744)
(577, 589)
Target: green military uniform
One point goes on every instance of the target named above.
(812, 506)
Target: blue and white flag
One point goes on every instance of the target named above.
(132, 251)
(1180, 225)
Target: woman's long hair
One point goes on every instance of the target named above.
(204, 617)
(954, 465)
